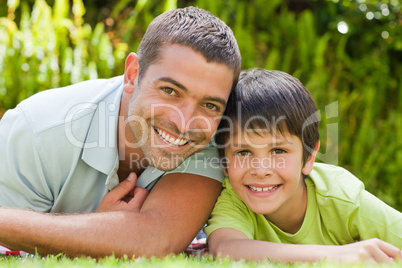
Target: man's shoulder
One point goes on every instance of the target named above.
(54, 107)
(205, 163)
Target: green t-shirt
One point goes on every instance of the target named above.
(339, 211)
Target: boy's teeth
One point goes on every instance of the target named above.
(171, 140)
(265, 189)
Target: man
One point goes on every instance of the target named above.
(62, 150)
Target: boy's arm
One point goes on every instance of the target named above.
(234, 244)
(375, 219)
(169, 219)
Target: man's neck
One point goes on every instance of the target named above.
(131, 158)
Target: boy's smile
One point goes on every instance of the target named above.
(266, 172)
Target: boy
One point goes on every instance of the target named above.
(275, 192)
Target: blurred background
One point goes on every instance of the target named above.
(347, 53)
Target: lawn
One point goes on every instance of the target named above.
(171, 261)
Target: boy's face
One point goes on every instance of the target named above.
(266, 172)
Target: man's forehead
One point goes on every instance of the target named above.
(189, 71)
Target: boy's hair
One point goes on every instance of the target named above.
(195, 28)
(270, 100)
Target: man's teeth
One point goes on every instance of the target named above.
(265, 189)
(171, 140)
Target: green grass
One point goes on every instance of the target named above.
(171, 261)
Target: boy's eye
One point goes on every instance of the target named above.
(243, 153)
(211, 106)
(278, 151)
(169, 91)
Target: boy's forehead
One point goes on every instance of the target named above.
(252, 130)
(260, 136)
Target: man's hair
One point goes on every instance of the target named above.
(270, 100)
(195, 28)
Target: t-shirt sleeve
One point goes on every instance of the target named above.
(205, 163)
(22, 173)
(351, 212)
(230, 212)
(376, 219)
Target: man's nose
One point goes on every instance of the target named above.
(184, 117)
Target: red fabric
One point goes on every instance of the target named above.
(197, 248)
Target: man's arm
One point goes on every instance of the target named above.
(169, 219)
(234, 244)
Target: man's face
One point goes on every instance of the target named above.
(177, 105)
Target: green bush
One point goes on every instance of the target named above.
(51, 47)
(354, 77)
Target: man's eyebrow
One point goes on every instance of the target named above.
(182, 87)
(172, 81)
(219, 100)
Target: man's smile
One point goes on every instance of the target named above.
(170, 139)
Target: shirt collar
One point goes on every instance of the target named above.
(100, 148)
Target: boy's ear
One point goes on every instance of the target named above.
(131, 72)
(308, 166)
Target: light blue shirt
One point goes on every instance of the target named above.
(58, 150)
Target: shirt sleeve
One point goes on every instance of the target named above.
(205, 163)
(22, 173)
(230, 212)
(376, 219)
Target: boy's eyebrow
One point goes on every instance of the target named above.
(274, 144)
(182, 87)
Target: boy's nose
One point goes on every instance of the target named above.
(261, 168)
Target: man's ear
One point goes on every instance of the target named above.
(223, 162)
(308, 166)
(131, 72)
(225, 171)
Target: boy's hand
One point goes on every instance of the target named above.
(371, 250)
(125, 196)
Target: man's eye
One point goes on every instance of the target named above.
(211, 106)
(278, 151)
(169, 90)
(243, 153)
